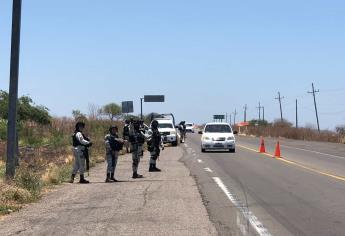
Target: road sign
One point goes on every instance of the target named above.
(218, 117)
(154, 98)
(127, 107)
(243, 124)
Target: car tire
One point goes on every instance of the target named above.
(174, 143)
(232, 150)
(203, 150)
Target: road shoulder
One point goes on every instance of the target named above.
(166, 203)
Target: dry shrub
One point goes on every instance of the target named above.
(286, 130)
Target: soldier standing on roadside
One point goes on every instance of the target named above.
(137, 140)
(154, 146)
(79, 145)
(113, 144)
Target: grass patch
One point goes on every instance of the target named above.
(2, 171)
(57, 174)
(29, 180)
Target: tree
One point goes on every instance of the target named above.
(112, 110)
(27, 110)
(78, 115)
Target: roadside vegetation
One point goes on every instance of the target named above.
(45, 151)
(286, 129)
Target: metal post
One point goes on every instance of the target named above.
(296, 115)
(245, 113)
(13, 90)
(141, 108)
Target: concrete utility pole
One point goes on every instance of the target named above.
(141, 108)
(296, 115)
(13, 91)
(263, 113)
(230, 118)
(259, 107)
(235, 113)
(279, 98)
(245, 113)
(317, 116)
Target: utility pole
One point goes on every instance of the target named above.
(141, 108)
(226, 118)
(230, 118)
(317, 116)
(235, 113)
(245, 113)
(296, 115)
(263, 114)
(279, 98)
(259, 107)
(13, 91)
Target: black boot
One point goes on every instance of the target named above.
(137, 176)
(72, 178)
(151, 169)
(156, 169)
(113, 178)
(108, 180)
(83, 180)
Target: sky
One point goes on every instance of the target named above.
(206, 57)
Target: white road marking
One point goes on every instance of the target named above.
(320, 153)
(247, 214)
(208, 170)
(200, 161)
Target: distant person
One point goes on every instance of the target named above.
(80, 144)
(182, 129)
(125, 135)
(113, 144)
(154, 146)
(137, 140)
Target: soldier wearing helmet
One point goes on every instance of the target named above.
(154, 146)
(113, 144)
(80, 143)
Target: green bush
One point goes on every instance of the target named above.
(29, 180)
(3, 129)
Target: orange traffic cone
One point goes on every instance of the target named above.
(262, 148)
(277, 151)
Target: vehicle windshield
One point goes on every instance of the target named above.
(165, 126)
(218, 129)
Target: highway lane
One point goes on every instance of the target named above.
(286, 199)
(322, 156)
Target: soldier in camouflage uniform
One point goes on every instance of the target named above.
(154, 146)
(113, 144)
(137, 140)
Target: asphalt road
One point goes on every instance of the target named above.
(247, 193)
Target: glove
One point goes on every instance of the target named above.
(89, 145)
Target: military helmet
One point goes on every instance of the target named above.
(112, 127)
(79, 125)
(154, 124)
